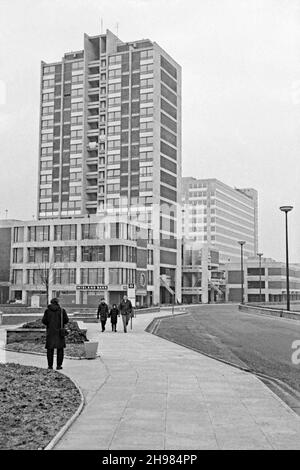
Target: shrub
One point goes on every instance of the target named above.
(75, 335)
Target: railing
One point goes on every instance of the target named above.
(194, 290)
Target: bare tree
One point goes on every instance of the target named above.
(46, 274)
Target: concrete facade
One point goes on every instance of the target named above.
(80, 260)
(110, 141)
(273, 281)
(203, 279)
(216, 214)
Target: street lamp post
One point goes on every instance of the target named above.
(287, 209)
(242, 243)
(259, 255)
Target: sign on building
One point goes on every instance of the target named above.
(131, 293)
(91, 287)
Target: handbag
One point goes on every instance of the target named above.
(63, 332)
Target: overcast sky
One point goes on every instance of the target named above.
(241, 92)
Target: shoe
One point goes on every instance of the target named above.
(58, 367)
(50, 368)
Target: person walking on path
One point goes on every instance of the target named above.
(126, 311)
(102, 313)
(114, 314)
(55, 318)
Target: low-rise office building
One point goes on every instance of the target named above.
(81, 259)
(262, 284)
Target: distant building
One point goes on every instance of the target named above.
(220, 216)
(273, 281)
(203, 280)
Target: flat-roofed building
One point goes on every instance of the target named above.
(80, 260)
(110, 140)
(267, 284)
(216, 214)
(203, 279)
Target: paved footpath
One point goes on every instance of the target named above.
(147, 393)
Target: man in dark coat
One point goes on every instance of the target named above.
(102, 313)
(126, 311)
(55, 318)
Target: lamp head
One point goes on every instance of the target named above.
(259, 254)
(241, 243)
(286, 208)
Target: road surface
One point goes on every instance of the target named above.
(261, 343)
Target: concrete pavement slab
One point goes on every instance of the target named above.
(147, 393)
(191, 442)
(124, 439)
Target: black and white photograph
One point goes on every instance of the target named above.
(149, 229)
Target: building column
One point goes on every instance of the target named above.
(179, 239)
(25, 261)
(266, 296)
(212, 295)
(178, 274)
(24, 296)
(106, 293)
(24, 290)
(78, 299)
(204, 279)
(51, 262)
(156, 275)
(78, 263)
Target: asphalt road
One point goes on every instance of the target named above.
(261, 343)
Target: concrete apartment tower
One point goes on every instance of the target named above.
(110, 141)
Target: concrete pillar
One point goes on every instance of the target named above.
(78, 263)
(51, 267)
(204, 282)
(106, 293)
(77, 294)
(266, 296)
(25, 260)
(156, 252)
(78, 279)
(179, 236)
(212, 296)
(24, 296)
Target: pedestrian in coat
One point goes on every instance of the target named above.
(102, 313)
(114, 314)
(55, 318)
(125, 308)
